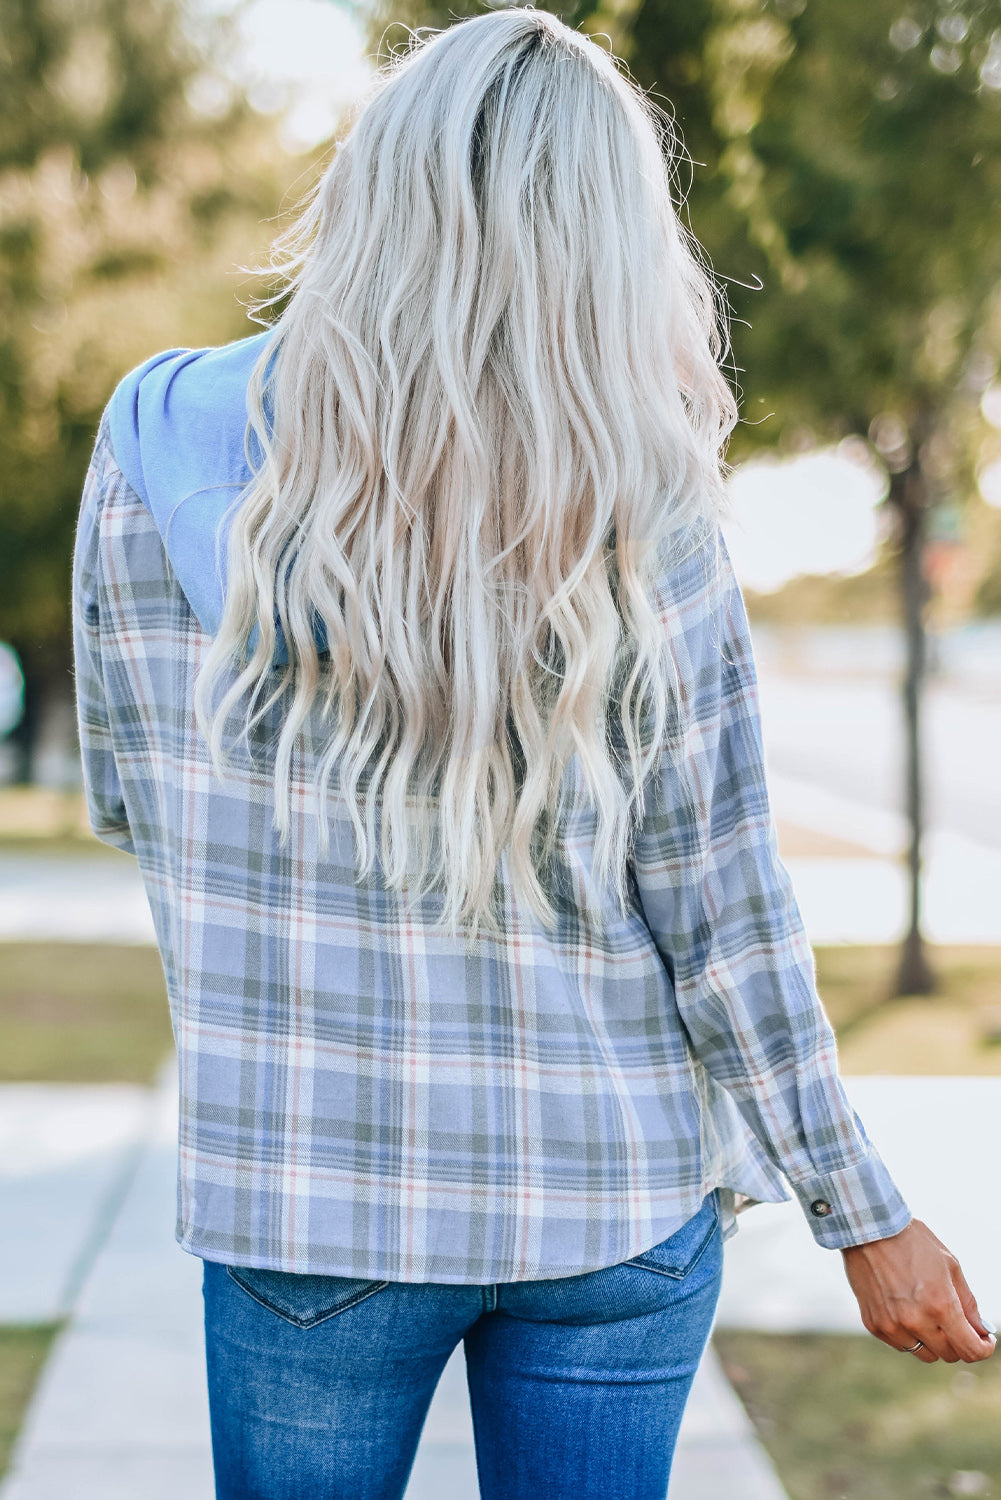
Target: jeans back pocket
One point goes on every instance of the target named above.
(678, 1254)
(300, 1298)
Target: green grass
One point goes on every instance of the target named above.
(81, 1013)
(66, 845)
(43, 817)
(954, 1031)
(22, 1355)
(846, 1418)
(855, 980)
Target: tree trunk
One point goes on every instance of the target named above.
(47, 677)
(908, 493)
(23, 735)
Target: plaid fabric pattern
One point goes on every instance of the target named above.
(362, 1095)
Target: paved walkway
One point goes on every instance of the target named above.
(865, 900)
(79, 898)
(66, 1152)
(120, 1411)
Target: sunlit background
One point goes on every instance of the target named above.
(305, 58)
(814, 513)
(848, 188)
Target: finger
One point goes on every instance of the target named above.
(964, 1335)
(969, 1304)
(945, 1329)
(921, 1324)
(904, 1342)
(900, 1339)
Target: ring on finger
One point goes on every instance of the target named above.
(913, 1348)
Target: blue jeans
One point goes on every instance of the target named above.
(319, 1385)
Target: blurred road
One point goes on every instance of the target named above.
(832, 717)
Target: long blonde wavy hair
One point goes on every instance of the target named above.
(491, 406)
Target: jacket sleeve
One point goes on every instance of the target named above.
(721, 909)
(102, 787)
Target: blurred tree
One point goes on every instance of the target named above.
(132, 182)
(847, 187)
(987, 600)
(867, 144)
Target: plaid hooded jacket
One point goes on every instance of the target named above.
(363, 1095)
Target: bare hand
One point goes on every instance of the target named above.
(910, 1287)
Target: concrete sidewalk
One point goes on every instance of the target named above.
(121, 1411)
(81, 897)
(67, 1152)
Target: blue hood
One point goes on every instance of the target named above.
(178, 424)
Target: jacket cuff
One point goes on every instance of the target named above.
(853, 1205)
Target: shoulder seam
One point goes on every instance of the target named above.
(111, 460)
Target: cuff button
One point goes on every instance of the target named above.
(820, 1207)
